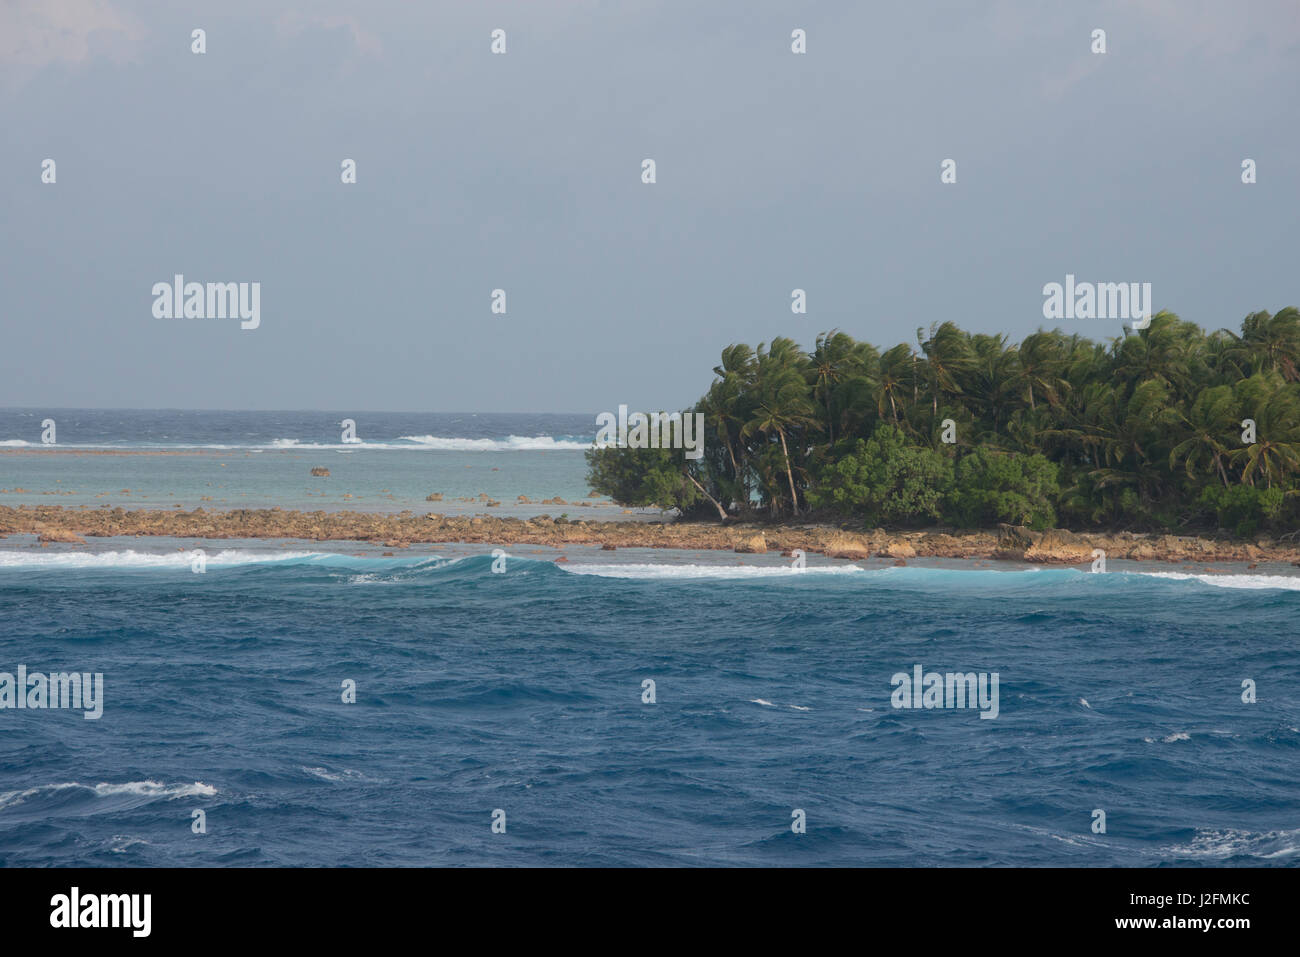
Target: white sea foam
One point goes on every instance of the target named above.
(763, 701)
(1233, 843)
(121, 842)
(1285, 582)
(438, 443)
(511, 443)
(347, 774)
(134, 559)
(146, 789)
(706, 571)
(403, 443)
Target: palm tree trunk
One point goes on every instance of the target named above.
(722, 512)
(726, 438)
(794, 498)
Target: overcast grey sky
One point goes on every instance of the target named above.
(478, 171)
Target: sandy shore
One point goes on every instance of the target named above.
(57, 524)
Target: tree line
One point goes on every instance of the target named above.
(1169, 427)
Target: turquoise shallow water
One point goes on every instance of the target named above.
(376, 479)
(264, 459)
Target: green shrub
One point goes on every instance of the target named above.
(1243, 508)
(991, 487)
(641, 477)
(885, 479)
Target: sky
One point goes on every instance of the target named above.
(522, 171)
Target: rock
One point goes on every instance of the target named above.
(433, 497)
(1014, 540)
(321, 472)
(755, 544)
(607, 547)
(1058, 547)
(46, 535)
(898, 550)
(844, 545)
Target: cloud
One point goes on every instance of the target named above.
(293, 23)
(38, 33)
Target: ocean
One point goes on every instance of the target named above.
(445, 706)
(264, 459)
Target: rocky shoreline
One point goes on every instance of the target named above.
(1055, 547)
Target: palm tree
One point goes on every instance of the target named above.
(1043, 357)
(833, 359)
(994, 375)
(1211, 419)
(947, 360)
(895, 378)
(782, 402)
(1276, 451)
(1274, 341)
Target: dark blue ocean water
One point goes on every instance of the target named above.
(522, 691)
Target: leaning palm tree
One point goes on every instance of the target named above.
(894, 380)
(782, 405)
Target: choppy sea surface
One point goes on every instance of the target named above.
(522, 691)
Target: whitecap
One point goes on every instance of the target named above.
(662, 571)
(1285, 582)
(149, 789)
(133, 559)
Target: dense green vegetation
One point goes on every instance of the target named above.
(1143, 432)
